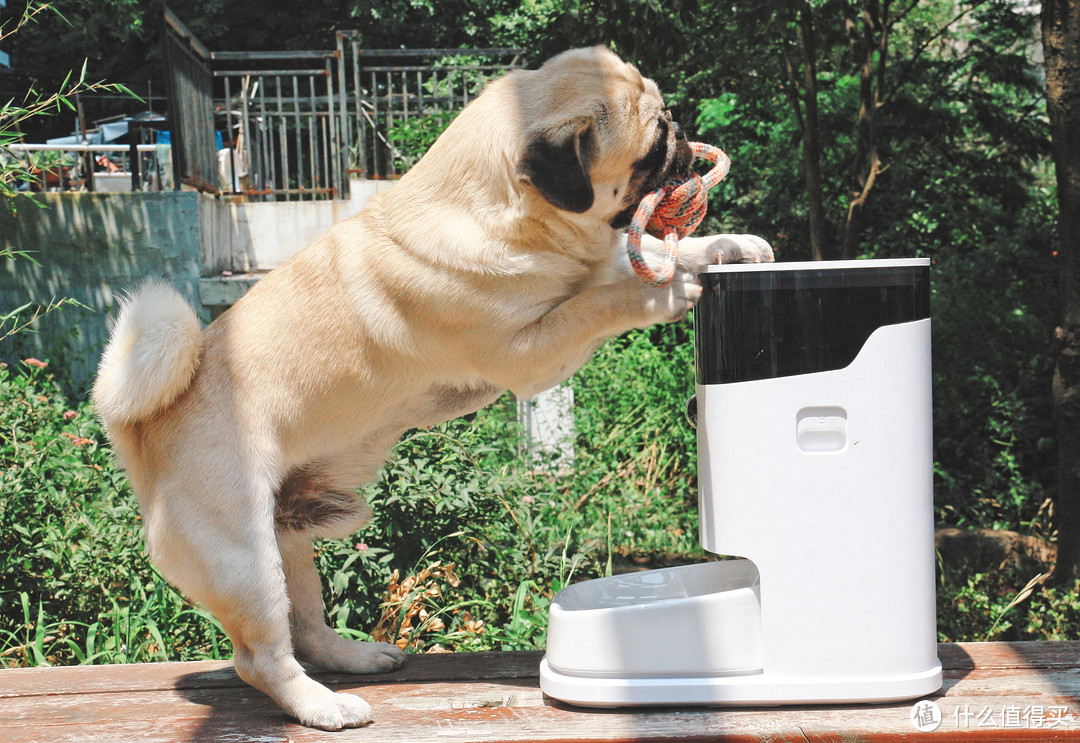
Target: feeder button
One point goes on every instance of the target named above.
(821, 429)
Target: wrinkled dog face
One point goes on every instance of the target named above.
(600, 137)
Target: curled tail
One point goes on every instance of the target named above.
(151, 357)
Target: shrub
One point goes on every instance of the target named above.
(75, 586)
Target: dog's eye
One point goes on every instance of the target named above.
(661, 135)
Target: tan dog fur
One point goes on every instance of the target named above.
(246, 440)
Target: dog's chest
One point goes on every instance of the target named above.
(443, 402)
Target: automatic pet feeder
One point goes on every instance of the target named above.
(815, 462)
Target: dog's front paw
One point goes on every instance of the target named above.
(337, 711)
(739, 249)
(700, 252)
(671, 302)
(318, 707)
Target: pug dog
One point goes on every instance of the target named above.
(496, 263)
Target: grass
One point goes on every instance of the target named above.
(466, 548)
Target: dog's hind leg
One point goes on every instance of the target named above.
(313, 641)
(320, 498)
(235, 570)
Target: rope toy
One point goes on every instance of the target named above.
(673, 211)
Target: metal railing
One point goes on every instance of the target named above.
(282, 138)
(300, 125)
(141, 167)
(402, 98)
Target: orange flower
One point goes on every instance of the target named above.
(35, 363)
(473, 626)
(76, 440)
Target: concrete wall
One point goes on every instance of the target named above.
(260, 236)
(93, 246)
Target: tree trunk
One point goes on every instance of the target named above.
(868, 32)
(808, 121)
(815, 193)
(1061, 46)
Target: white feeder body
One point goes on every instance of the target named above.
(815, 467)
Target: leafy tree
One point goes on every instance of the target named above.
(1061, 45)
(16, 114)
(857, 128)
(106, 34)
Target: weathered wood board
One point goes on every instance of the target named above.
(992, 692)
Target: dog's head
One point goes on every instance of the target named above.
(597, 135)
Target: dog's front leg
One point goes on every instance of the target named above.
(695, 253)
(553, 347)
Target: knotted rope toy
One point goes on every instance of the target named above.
(673, 211)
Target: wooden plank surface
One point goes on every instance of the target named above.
(992, 692)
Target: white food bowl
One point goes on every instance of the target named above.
(688, 620)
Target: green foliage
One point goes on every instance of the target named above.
(968, 608)
(993, 303)
(75, 586)
(412, 138)
(636, 471)
(459, 494)
(1054, 614)
(35, 105)
(1004, 604)
(20, 319)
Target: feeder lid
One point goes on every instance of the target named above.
(818, 265)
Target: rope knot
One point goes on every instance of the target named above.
(672, 212)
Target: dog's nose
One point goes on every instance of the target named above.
(684, 156)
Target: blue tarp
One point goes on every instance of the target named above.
(164, 137)
(104, 134)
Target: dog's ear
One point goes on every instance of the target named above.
(556, 162)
